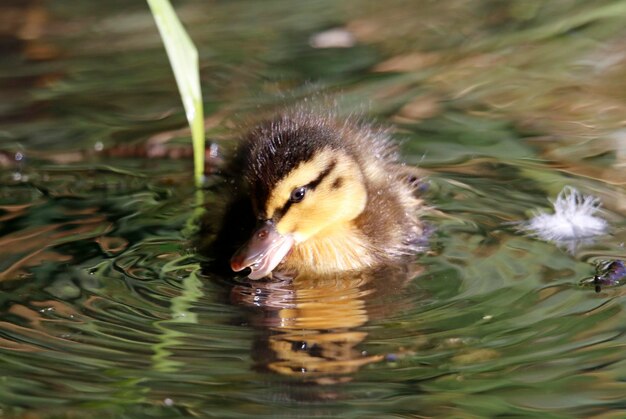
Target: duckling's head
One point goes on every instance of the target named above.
(305, 181)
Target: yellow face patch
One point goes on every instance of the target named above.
(334, 193)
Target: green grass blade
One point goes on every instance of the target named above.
(183, 57)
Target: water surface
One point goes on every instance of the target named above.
(108, 310)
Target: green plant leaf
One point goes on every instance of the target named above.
(183, 57)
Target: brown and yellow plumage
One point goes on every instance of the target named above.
(328, 195)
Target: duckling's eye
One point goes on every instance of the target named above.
(297, 194)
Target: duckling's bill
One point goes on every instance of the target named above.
(263, 252)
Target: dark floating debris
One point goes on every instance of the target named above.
(609, 273)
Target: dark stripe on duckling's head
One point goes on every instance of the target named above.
(272, 150)
(308, 187)
(337, 183)
(313, 184)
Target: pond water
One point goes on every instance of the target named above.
(107, 309)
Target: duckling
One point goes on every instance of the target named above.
(328, 196)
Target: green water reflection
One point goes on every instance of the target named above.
(108, 309)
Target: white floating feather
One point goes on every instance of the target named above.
(575, 219)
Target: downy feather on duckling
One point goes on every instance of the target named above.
(328, 196)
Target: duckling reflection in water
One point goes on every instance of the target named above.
(328, 196)
(311, 327)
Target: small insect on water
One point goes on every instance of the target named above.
(609, 273)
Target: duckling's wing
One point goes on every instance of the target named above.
(412, 176)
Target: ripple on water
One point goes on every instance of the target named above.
(104, 301)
